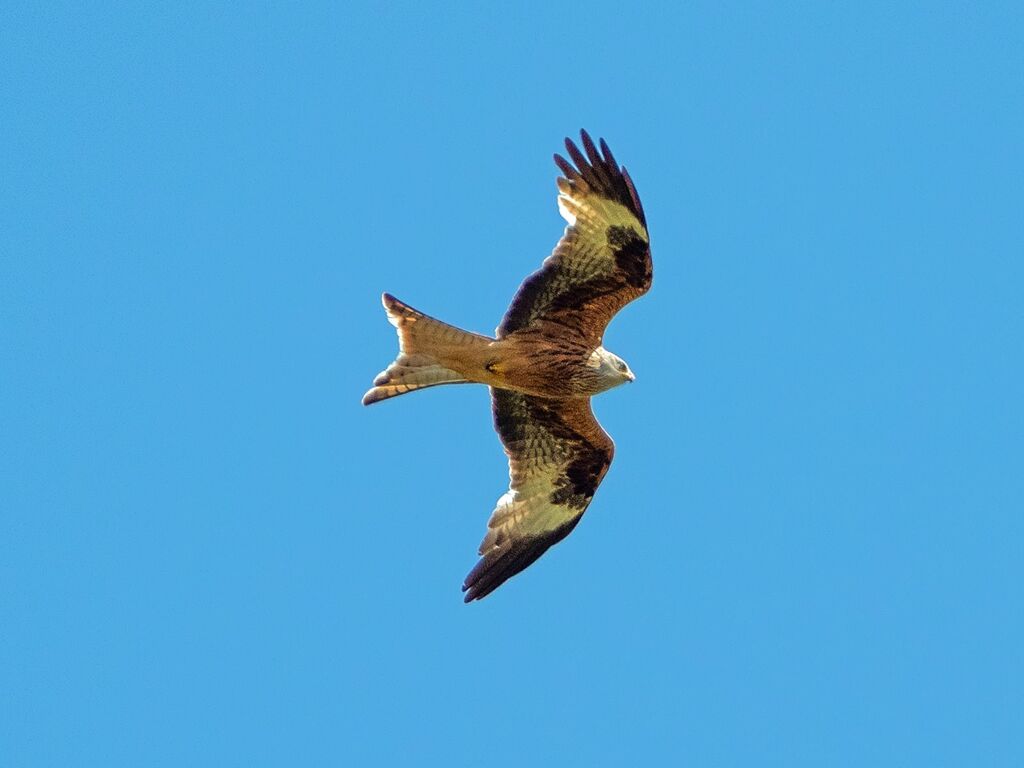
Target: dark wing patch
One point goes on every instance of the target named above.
(603, 260)
(557, 454)
(632, 256)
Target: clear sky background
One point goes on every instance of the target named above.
(808, 551)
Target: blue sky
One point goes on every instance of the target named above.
(808, 550)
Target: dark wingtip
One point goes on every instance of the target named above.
(475, 583)
(474, 593)
(608, 156)
(565, 167)
(599, 169)
(589, 148)
(500, 565)
(471, 593)
(577, 156)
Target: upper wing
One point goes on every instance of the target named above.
(603, 260)
(557, 456)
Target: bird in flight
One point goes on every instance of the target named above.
(544, 364)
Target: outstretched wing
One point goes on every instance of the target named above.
(557, 456)
(603, 260)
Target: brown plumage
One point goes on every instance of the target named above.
(544, 364)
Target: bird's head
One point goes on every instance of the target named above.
(611, 369)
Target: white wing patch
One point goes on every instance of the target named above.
(592, 213)
(525, 507)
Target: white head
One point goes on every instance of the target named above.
(611, 369)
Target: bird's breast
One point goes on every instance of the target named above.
(543, 367)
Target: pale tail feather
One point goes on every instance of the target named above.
(427, 347)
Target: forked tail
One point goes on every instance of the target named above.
(429, 353)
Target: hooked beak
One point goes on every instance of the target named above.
(630, 376)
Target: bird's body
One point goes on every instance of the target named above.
(526, 361)
(539, 364)
(544, 364)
